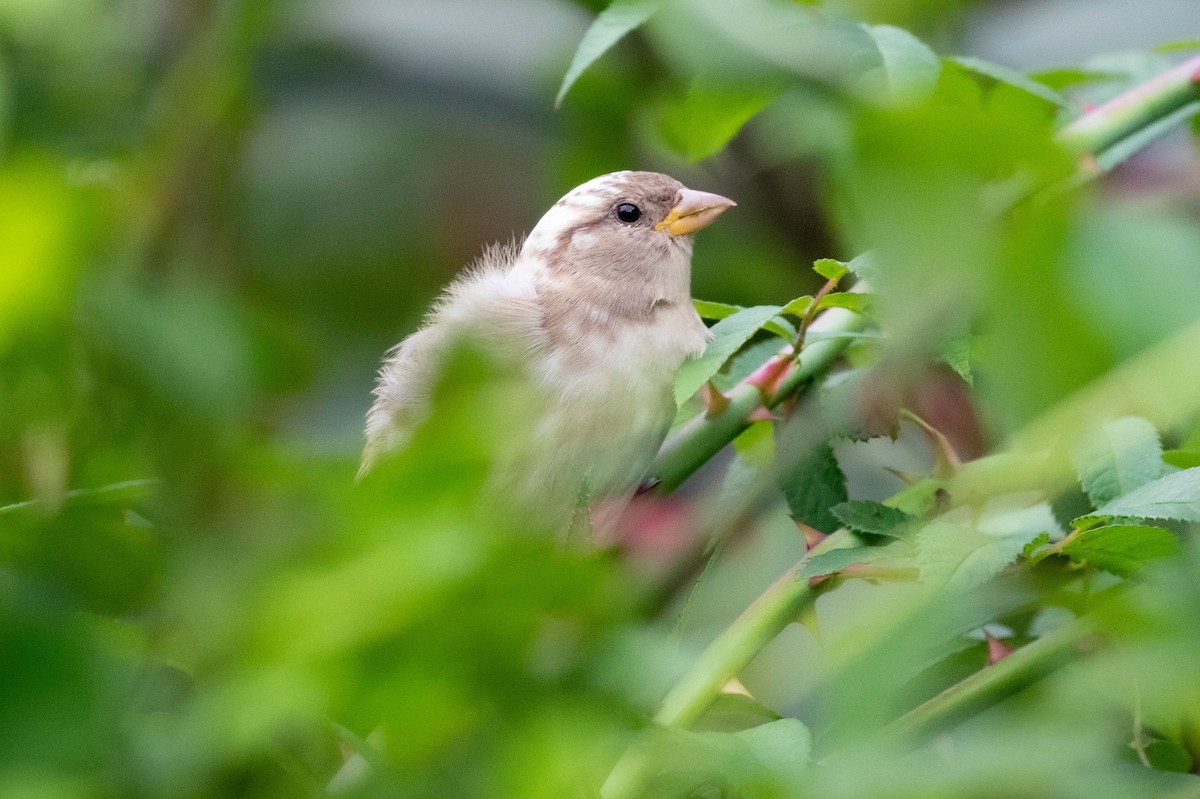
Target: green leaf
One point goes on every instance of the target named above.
(729, 335)
(813, 486)
(862, 516)
(708, 117)
(745, 362)
(910, 68)
(830, 269)
(1030, 551)
(857, 302)
(1176, 496)
(1012, 77)
(783, 746)
(1124, 454)
(1182, 458)
(864, 266)
(1059, 79)
(956, 353)
(1121, 549)
(838, 559)
(707, 309)
(958, 557)
(799, 306)
(608, 28)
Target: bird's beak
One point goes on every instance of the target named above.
(695, 210)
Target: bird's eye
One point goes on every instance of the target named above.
(628, 213)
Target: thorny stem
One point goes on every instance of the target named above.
(699, 440)
(810, 314)
(1134, 110)
(732, 650)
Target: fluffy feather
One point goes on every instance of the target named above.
(596, 315)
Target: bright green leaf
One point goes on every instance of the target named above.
(705, 120)
(1182, 458)
(799, 306)
(608, 28)
(830, 269)
(860, 304)
(1123, 455)
(707, 309)
(1121, 549)
(729, 335)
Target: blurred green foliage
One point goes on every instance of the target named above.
(216, 215)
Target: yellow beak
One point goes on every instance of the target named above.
(694, 211)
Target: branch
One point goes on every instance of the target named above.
(780, 377)
(1135, 110)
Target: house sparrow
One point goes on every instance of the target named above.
(592, 315)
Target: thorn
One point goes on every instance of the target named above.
(812, 536)
(997, 649)
(908, 477)
(715, 403)
(947, 461)
(761, 414)
(767, 377)
(734, 686)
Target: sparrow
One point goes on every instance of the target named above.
(591, 315)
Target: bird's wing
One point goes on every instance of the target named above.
(492, 305)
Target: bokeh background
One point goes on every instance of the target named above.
(216, 216)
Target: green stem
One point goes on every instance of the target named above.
(1134, 110)
(994, 683)
(733, 649)
(703, 437)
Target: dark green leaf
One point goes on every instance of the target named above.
(813, 486)
(863, 516)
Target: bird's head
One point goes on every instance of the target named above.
(624, 229)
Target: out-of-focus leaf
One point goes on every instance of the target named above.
(1123, 455)
(783, 746)
(1121, 549)
(958, 557)
(1182, 458)
(812, 486)
(863, 516)
(1176, 496)
(1059, 79)
(621, 17)
(729, 335)
(910, 69)
(1178, 46)
(1012, 77)
(708, 117)
(957, 355)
